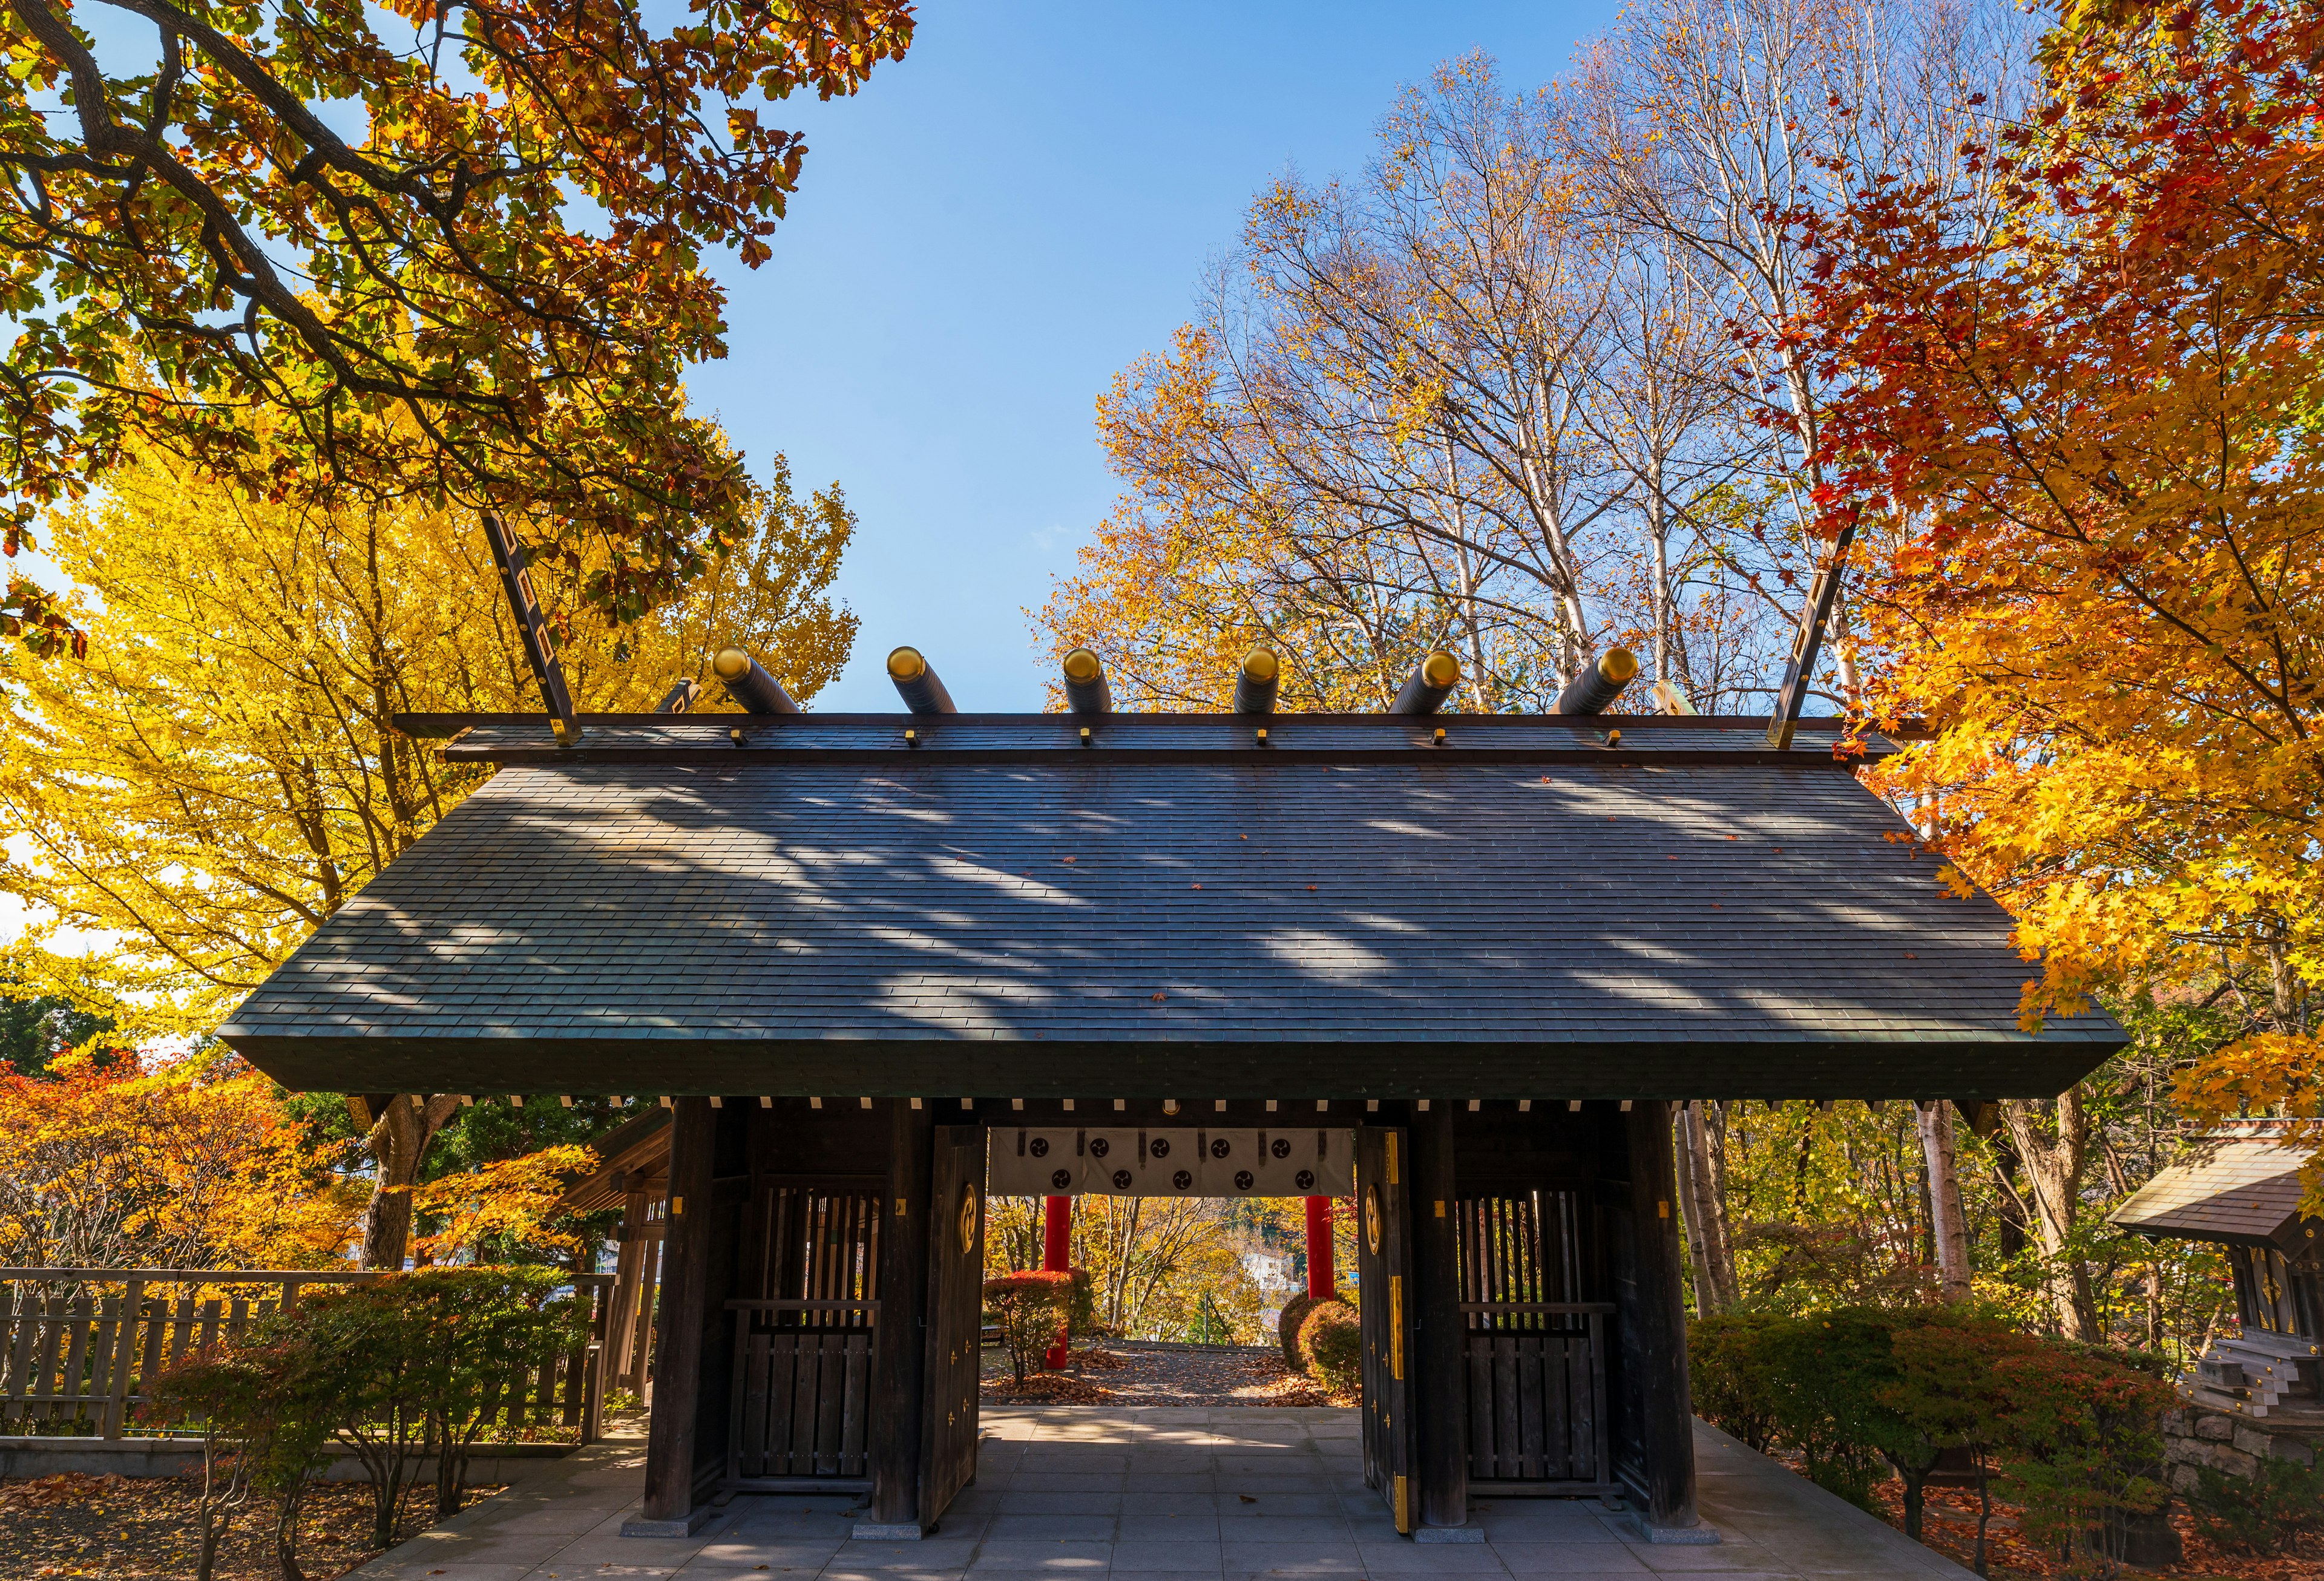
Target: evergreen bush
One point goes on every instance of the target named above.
(1286, 1329)
(400, 1369)
(2072, 1431)
(1332, 1343)
(2259, 1515)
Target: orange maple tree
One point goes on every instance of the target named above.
(2084, 444)
(111, 1161)
(463, 258)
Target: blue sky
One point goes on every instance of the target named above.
(991, 230)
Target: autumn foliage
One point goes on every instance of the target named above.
(2084, 444)
(222, 774)
(193, 1164)
(491, 288)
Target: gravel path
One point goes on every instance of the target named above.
(1157, 1373)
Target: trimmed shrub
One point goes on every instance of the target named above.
(2072, 1431)
(1081, 1306)
(1286, 1329)
(1728, 1365)
(1332, 1343)
(1029, 1305)
(265, 1410)
(397, 1368)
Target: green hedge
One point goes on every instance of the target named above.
(2071, 1432)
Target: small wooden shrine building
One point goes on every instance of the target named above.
(869, 958)
(2240, 1190)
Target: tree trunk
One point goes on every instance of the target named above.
(1949, 1228)
(1706, 1184)
(286, 1534)
(1698, 1259)
(398, 1141)
(2055, 1156)
(2012, 1239)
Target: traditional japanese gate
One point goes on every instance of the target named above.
(842, 947)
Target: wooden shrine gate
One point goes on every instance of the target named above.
(1536, 1351)
(803, 1348)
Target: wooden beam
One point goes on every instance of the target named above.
(1439, 1380)
(687, 1299)
(532, 625)
(1665, 1430)
(899, 1347)
(629, 1266)
(1807, 641)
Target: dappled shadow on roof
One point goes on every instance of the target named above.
(1425, 904)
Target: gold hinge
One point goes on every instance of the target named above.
(1391, 1158)
(1403, 1507)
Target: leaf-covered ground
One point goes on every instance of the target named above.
(141, 1528)
(1951, 1528)
(1153, 1373)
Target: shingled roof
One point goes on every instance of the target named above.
(2241, 1187)
(1354, 909)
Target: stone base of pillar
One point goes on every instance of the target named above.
(1701, 1534)
(1472, 1532)
(889, 1531)
(693, 1521)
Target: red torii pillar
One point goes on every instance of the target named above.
(1058, 1257)
(1319, 1247)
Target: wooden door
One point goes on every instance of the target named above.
(1384, 1276)
(1534, 1346)
(955, 1317)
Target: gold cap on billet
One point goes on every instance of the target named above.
(1429, 685)
(1255, 683)
(916, 682)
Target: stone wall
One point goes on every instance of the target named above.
(2235, 1445)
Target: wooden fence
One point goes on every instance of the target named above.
(76, 1345)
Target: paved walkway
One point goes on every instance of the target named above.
(1165, 1495)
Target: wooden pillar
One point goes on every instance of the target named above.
(899, 1353)
(686, 1299)
(641, 1318)
(1058, 1257)
(1320, 1271)
(1665, 1429)
(1440, 1381)
(621, 1321)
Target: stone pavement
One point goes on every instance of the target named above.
(1165, 1495)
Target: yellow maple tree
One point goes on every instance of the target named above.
(503, 1206)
